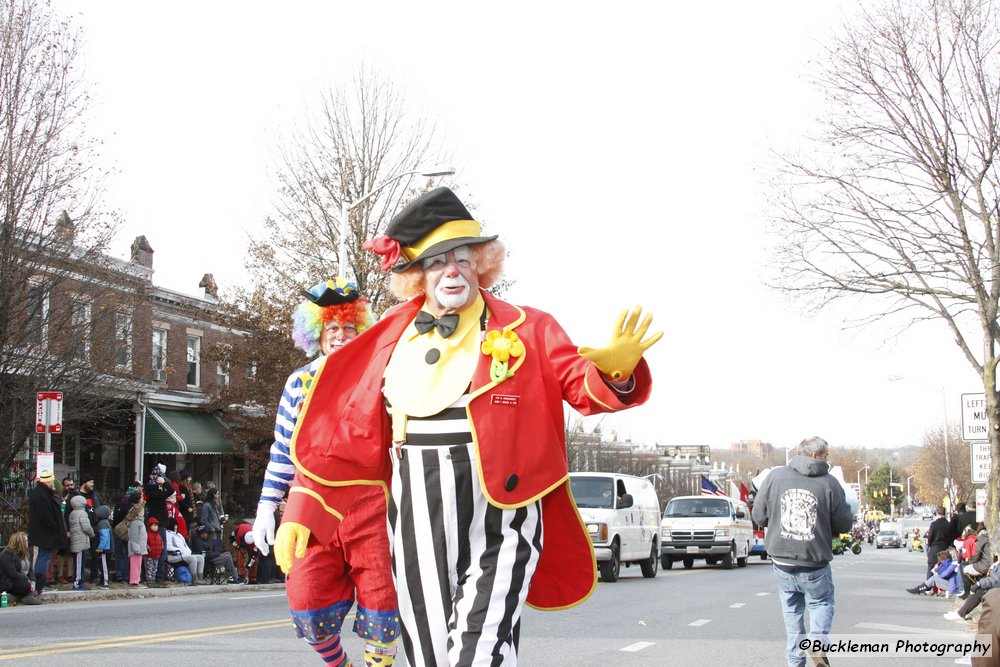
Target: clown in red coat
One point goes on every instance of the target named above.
(452, 403)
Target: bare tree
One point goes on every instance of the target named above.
(898, 206)
(363, 136)
(66, 309)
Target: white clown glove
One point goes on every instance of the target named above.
(263, 526)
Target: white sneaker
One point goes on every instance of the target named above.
(953, 616)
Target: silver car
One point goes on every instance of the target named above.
(889, 538)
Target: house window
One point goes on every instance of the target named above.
(159, 355)
(79, 342)
(37, 310)
(194, 361)
(123, 340)
(222, 375)
(252, 370)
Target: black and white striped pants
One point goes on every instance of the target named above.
(462, 567)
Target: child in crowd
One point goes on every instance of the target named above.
(154, 549)
(137, 547)
(80, 532)
(944, 576)
(103, 515)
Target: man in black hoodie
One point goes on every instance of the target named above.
(803, 507)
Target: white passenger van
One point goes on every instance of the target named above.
(715, 529)
(622, 514)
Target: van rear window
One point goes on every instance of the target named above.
(697, 507)
(593, 491)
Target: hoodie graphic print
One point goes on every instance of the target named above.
(798, 514)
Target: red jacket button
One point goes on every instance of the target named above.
(510, 483)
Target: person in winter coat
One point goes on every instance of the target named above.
(103, 516)
(137, 547)
(203, 543)
(46, 525)
(981, 587)
(154, 550)
(14, 567)
(939, 537)
(944, 576)
(989, 624)
(210, 517)
(120, 545)
(803, 506)
(178, 553)
(80, 532)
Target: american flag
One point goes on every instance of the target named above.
(709, 489)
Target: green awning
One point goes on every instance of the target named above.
(184, 432)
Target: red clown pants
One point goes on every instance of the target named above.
(321, 586)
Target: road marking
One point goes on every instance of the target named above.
(638, 646)
(700, 622)
(760, 595)
(737, 605)
(907, 628)
(137, 640)
(254, 597)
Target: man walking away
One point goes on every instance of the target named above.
(803, 507)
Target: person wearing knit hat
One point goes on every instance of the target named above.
(46, 525)
(351, 563)
(453, 403)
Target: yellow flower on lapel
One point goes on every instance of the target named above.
(501, 345)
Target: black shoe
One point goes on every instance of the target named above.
(917, 590)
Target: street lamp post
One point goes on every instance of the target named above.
(859, 476)
(346, 207)
(947, 456)
(909, 498)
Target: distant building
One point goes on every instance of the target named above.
(754, 447)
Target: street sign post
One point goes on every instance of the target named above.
(975, 423)
(48, 415)
(982, 461)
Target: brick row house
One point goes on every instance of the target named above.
(147, 348)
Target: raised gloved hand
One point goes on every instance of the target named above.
(619, 357)
(263, 525)
(292, 538)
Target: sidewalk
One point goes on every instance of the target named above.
(119, 591)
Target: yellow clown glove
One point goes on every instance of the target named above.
(291, 538)
(619, 357)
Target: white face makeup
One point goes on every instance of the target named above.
(336, 335)
(451, 282)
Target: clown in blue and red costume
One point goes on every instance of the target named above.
(352, 560)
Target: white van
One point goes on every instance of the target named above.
(715, 529)
(622, 514)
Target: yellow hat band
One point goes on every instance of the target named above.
(453, 229)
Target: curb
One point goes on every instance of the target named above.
(57, 596)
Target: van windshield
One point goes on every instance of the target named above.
(593, 491)
(697, 507)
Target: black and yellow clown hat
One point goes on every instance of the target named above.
(432, 224)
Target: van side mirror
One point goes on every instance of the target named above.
(625, 501)
(740, 514)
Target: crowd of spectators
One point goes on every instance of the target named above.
(165, 530)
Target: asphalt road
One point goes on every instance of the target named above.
(702, 616)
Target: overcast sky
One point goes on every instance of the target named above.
(620, 154)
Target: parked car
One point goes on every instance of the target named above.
(889, 538)
(622, 515)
